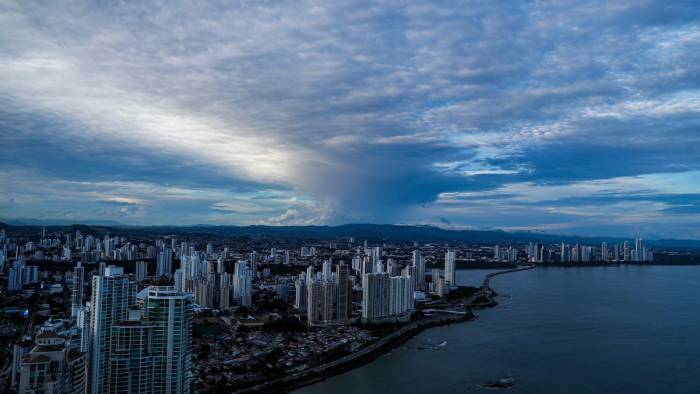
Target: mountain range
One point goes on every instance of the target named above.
(359, 231)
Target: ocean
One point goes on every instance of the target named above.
(622, 329)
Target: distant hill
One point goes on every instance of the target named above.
(360, 231)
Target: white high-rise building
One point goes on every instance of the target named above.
(31, 274)
(165, 263)
(604, 251)
(171, 312)
(242, 284)
(301, 296)
(179, 280)
(400, 295)
(141, 271)
(450, 258)
(112, 294)
(375, 296)
(132, 366)
(82, 322)
(638, 250)
(15, 278)
(379, 267)
(66, 253)
(327, 298)
(327, 271)
(77, 290)
(376, 254)
(356, 263)
(186, 269)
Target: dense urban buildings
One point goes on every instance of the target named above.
(128, 313)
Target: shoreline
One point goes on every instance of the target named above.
(591, 265)
(362, 357)
(379, 348)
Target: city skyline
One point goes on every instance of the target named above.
(570, 118)
(205, 312)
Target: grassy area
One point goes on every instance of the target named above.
(462, 292)
(204, 328)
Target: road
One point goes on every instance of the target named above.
(291, 381)
(486, 286)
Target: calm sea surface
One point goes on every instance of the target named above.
(557, 330)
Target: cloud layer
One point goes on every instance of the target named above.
(564, 116)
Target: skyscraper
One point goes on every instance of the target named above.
(604, 251)
(82, 321)
(131, 359)
(314, 301)
(565, 253)
(254, 264)
(366, 267)
(328, 301)
(638, 250)
(327, 271)
(165, 263)
(375, 296)
(204, 292)
(179, 280)
(15, 278)
(301, 295)
(242, 284)
(344, 289)
(376, 255)
(112, 294)
(171, 313)
(77, 290)
(225, 291)
(400, 295)
(141, 270)
(450, 257)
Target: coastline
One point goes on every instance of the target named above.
(620, 264)
(381, 346)
(364, 356)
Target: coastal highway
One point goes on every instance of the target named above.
(405, 332)
(373, 350)
(486, 286)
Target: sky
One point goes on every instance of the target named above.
(566, 117)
